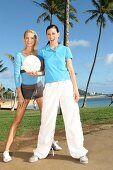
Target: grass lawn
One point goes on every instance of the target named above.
(31, 119)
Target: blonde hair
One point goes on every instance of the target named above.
(35, 35)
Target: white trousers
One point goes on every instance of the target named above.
(53, 94)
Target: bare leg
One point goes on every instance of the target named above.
(18, 117)
(39, 103)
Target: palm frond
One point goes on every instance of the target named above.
(101, 20)
(91, 11)
(97, 5)
(42, 16)
(42, 5)
(72, 9)
(73, 17)
(47, 18)
(4, 69)
(10, 56)
(91, 18)
(110, 17)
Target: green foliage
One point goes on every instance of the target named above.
(2, 68)
(103, 9)
(10, 56)
(56, 8)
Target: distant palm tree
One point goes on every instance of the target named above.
(11, 57)
(2, 69)
(103, 8)
(2, 90)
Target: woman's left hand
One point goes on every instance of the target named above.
(76, 96)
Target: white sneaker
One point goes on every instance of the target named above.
(6, 156)
(55, 146)
(33, 158)
(84, 159)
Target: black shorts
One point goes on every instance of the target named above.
(32, 91)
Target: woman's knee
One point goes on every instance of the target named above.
(16, 121)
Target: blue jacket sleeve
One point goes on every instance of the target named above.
(17, 68)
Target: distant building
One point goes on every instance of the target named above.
(92, 93)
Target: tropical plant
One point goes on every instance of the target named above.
(2, 91)
(11, 57)
(58, 8)
(2, 68)
(102, 9)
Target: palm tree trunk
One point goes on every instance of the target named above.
(15, 95)
(66, 28)
(66, 23)
(97, 46)
(51, 19)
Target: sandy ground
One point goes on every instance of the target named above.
(8, 104)
(98, 140)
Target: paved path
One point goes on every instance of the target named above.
(99, 144)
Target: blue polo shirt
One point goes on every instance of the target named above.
(55, 62)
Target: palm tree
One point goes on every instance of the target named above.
(2, 69)
(50, 8)
(102, 9)
(2, 91)
(11, 57)
(56, 8)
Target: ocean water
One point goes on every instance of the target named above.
(90, 102)
(96, 102)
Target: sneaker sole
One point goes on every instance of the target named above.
(6, 161)
(86, 162)
(31, 161)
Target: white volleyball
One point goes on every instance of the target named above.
(31, 63)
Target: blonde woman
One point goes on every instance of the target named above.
(28, 86)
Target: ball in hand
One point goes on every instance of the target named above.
(31, 63)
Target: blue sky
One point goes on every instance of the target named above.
(17, 16)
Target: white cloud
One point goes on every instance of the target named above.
(109, 58)
(82, 43)
(88, 66)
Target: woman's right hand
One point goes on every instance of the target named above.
(37, 73)
(33, 73)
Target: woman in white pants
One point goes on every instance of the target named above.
(61, 86)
